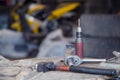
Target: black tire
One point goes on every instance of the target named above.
(100, 47)
(101, 25)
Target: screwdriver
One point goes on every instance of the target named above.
(78, 42)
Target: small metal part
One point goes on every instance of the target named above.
(78, 22)
(115, 59)
(78, 31)
(72, 60)
(44, 66)
(117, 54)
(40, 67)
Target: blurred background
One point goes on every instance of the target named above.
(43, 28)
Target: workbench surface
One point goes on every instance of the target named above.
(21, 70)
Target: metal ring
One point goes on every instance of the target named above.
(76, 61)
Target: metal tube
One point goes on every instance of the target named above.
(93, 60)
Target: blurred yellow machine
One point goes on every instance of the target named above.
(34, 23)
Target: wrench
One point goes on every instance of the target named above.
(74, 60)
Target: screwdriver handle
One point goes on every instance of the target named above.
(79, 49)
(96, 71)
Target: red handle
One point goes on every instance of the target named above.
(79, 49)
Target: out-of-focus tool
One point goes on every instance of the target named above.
(79, 44)
(50, 66)
(74, 60)
(115, 59)
(117, 54)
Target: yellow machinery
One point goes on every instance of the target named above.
(58, 13)
(35, 23)
(31, 20)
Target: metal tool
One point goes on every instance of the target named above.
(116, 54)
(50, 66)
(78, 43)
(74, 60)
(115, 59)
